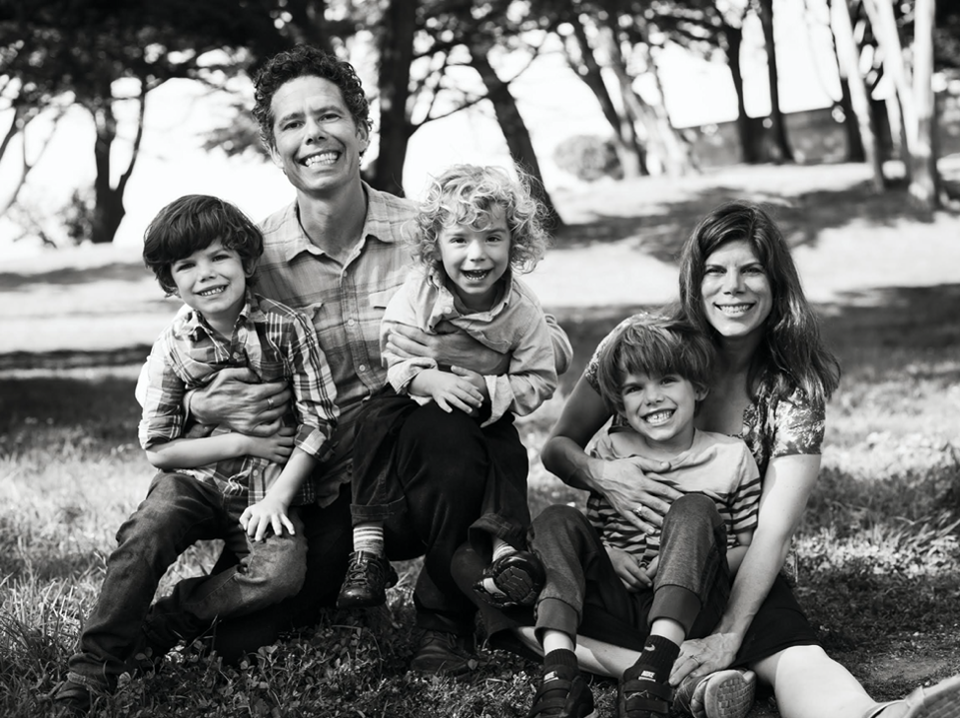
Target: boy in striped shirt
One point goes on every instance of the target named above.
(674, 582)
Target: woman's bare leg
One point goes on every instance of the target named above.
(809, 684)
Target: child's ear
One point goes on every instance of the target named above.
(250, 266)
(700, 392)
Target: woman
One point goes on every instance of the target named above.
(738, 284)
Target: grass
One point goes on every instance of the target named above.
(878, 550)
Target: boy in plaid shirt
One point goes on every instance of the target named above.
(213, 483)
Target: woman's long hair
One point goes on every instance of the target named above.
(792, 352)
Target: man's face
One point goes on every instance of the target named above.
(317, 144)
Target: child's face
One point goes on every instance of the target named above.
(474, 259)
(661, 408)
(212, 281)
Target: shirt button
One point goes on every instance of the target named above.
(362, 367)
(351, 322)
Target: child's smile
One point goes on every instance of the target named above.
(474, 259)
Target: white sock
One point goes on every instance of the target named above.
(368, 537)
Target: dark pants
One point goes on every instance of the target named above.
(584, 595)
(443, 461)
(177, 512)
(379, 490)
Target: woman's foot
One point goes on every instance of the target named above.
(724, 694)
(514, 579)
(939, 701)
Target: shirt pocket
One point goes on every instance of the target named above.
(379, 300)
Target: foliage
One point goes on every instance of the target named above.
(588, 158)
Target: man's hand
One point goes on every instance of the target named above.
(702, 656)
(235, 399)
(452, 348)
(629, 571)
(267, 513)
(633, 488)
(276, 448)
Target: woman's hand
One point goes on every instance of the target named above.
(701, 656)
(633, 488)
(629, 571)
(236, 399)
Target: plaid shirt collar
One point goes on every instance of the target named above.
(195, 326)
(377, 225)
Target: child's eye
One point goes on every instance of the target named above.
(669, 379)
(181, 266)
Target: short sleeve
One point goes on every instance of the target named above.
(799, 425)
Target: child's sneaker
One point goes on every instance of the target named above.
(368, 575)
(518, 577)
(563, 693)
(724, 694)
(639, 696)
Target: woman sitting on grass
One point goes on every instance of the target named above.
(739, 285)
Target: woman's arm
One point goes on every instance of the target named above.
(786, 488)
(628, 484)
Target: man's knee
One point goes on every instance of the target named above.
(692, 507)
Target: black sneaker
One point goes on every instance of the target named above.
(639, 696)
(367, 577)
(444, 653)
(519, 578)
(563, 693)
(71, 699)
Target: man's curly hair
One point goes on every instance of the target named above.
(465, 195)
(306, 61)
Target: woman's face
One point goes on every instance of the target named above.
(737, 297)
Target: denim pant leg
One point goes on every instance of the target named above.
(329, 542)
(582, 586)
(177, 512)
(504, 511)
(267, 572)
(442, 464)
(692, 583)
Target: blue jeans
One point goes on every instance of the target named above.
(177, 512)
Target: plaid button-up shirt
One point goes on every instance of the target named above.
(345, 302)
(276, 343)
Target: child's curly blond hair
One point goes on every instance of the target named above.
(465, 195)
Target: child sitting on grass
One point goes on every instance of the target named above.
(674, 583)
(478, 228)
(213, 483)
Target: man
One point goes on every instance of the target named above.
(337, 253)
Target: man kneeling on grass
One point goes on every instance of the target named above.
(212, 483)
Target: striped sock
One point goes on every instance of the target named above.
(368, 537)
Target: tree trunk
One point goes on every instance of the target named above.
(782, 151)
(855, 150)
(848, 60)
(514, 131)
(751, 146)
(108, 209)
(630, 150)
(924, 185)
(396, 54)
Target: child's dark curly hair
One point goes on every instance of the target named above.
(465, 195)
(654, 345)
(306, 61)
(192, 223)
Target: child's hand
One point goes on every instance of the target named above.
(276, 447)
(629, 571)
(474, 378)
(449, 391)
(267, 513)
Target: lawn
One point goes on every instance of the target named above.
(878, 551)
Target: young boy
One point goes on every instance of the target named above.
(478, 228)
(674, 584)
(213, 483)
